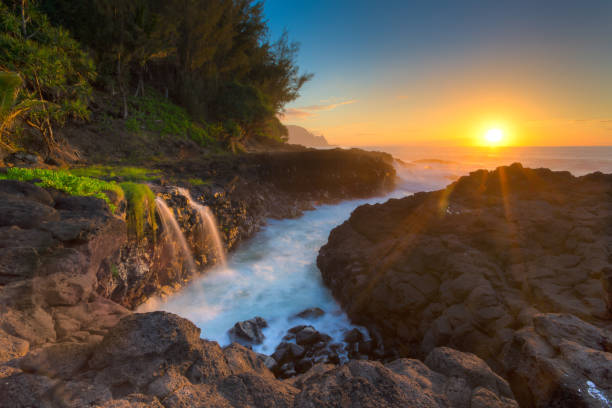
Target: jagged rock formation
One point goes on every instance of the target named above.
(52, 247)
(67, 267)
(159, 360)
(506, 264)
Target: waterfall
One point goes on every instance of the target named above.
(208, 223)
(172, 228)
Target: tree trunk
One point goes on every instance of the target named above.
(121, 87)
(24, 4)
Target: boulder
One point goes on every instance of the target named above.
(562, 360)
(248, 332)
(404, 383)
(310, 313)
(308, 335)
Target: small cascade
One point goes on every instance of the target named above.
(208, 224)
(172, 227)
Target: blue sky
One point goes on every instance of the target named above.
(420, 71)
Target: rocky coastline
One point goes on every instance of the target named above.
(242, 192)
(512, 265)
(70, 275)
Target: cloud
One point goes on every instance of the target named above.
(305, 112)
(295, 114)
(330, 106)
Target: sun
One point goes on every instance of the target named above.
(494, 136)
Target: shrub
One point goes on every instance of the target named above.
(155, 113)
(9, 87)
(56, 72)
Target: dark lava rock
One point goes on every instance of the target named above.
(296, 329)
(308, 335)
(25, 191)
(248, 332)
(148, 357)
(25, 214)
(475, 266)
(310, 313)
(353, 336)
(406, 383)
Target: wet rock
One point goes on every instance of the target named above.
(308, 335)
(353, 336)
(310, 313)
(248, 332)
(296, 329)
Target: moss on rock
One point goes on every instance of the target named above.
(140, 208)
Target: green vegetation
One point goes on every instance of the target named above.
(114, 271)
(66, 182)
(9, 89)
(56, 72)
(140, 208)
(123, 173)
(140, 199)
(198, 182)
(199, 69)
(156, 114)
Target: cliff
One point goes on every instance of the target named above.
(299, 135)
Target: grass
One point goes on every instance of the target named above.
(124, 173)
(198, 182)
(157, 114)
(140, 208)
(67, 182)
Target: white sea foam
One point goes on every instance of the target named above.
(274, 275)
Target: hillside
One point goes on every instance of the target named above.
(299, 135)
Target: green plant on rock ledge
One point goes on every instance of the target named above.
(122, 173)
(140, 208)
(114, 271)
(65, 181)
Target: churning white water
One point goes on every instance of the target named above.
(209, 228)
(274, 275)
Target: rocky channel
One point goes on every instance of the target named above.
(512, 265)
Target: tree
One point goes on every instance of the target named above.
(56, 73)
(10, 83)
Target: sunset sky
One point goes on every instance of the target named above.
(444, 72)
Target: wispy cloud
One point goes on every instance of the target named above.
(292, 113)
(579, 121)
(305, 112)
(315, 108)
